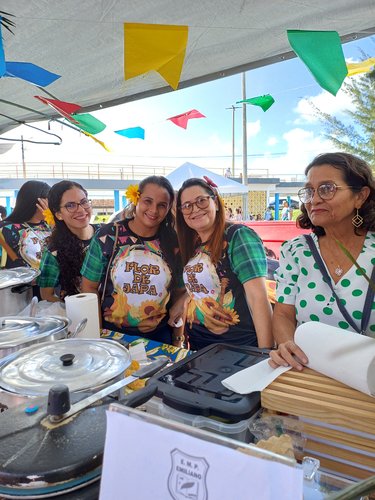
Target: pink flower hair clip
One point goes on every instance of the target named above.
(210, 182)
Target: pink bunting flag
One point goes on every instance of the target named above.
(182, 120)
(65, 109)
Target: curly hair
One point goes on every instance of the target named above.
(357, 174)
(166, 232)
(70, 250)
(188, 237)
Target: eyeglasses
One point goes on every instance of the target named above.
(72, 206)
(201, 202)
(325, 191)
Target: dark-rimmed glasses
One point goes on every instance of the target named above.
(325, 191)
(201, 202)
(73, 206)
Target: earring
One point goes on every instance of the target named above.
(357, 220)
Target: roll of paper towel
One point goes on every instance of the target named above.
(345, 356)
(84, 305)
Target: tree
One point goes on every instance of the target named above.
(359, 137)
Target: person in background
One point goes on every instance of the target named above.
(338, 204)
(3, 213)
(285, 212)
(224, 273)
(62, 259)
(229, 214)
(238, 215)
(134, 265)
(24, 230)
(268, 214)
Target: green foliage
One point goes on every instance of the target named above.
(359, 137)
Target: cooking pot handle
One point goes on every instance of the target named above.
(21, 288)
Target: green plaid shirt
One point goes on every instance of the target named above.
(247, 255)
(95, 263)
(50, 270)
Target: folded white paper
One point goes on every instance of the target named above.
(344, 356)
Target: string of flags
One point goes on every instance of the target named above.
(162, 49)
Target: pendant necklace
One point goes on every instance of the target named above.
(338, 270)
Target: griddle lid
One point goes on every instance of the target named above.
(32, 371)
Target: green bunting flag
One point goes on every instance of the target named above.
(88, 123)
(322, 53)
(264, 101)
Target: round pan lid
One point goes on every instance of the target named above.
(17, 276)
(81, 364)
(16, 330)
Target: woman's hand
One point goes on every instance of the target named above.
(42, 204)
(177, 311)
(288, 354)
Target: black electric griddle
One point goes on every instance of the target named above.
(193, 385)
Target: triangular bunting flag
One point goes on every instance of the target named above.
(2, 56)
(65, 109)
(103, 145)
(155, 47)
(182, 120)
(31, 73)
(89, 123)
(264, 101)
(322, 53)
(360, 67)
(132, 133)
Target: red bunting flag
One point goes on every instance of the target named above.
(182, 120)
(65, 109)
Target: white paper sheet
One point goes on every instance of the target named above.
(344, 356)
(254, 378)
(173, 465)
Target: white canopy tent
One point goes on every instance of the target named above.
(189, 170)
(83, 42)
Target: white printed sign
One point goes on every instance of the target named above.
(143, 460)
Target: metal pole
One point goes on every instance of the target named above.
(233, 108)
(244, 148)
(23, 158)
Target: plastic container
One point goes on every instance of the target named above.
(238, 430)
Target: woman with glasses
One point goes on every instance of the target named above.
(133, 264)
(24, 231)
(317, 280)
(71, 235)
(224, 273)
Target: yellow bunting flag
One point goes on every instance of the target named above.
(360, 67)
(103, 145)
(157, 47)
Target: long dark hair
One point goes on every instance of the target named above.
(68, 247)
(26, 201)
(188, 237)
(357, 174)
(166, 232)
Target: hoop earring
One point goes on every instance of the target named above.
(357, 220)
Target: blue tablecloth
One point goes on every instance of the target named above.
(153, 348)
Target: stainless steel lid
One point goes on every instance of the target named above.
(32, 371)
(17, 276)
(17, 330)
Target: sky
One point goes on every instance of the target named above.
(280, 142)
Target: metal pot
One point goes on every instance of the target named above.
(18, 332)
(16, 289)
(81, 364)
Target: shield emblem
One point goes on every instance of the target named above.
(187, 478)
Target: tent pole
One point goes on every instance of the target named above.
(244, 145)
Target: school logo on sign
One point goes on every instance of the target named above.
(187, 479)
